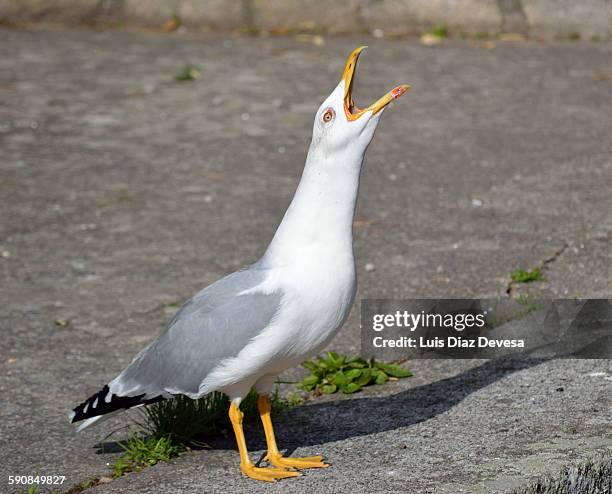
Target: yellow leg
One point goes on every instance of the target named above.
(274, 456)
(246, 465)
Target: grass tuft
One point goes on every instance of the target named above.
(188, 421)
(140, 453)
(439, 30)
(526, 276)
(188, 73)
(171, 427)
(341, 373)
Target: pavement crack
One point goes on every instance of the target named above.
(545, 264)
(555, 256)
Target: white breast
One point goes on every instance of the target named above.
(317, 297)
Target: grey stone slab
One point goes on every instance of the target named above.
(564, 17)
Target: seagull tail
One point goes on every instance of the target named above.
(94, 420)
(104, 405)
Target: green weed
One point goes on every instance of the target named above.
(187, 421)
(171, 426)
(140, 453)
(176, 20)
(89, 483)
(188, 73)
(528, 305)
(524, 276)
(33, 488)
(517, 308)
(439, 30)
(340, 373)
(528, 302)
(124, 196)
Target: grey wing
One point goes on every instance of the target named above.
(214, 325)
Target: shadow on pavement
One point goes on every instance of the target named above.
(339, 420)
(320, 423)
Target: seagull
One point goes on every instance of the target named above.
(242, 331)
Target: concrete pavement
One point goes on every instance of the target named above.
(124, 191)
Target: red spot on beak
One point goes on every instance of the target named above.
(398, 91)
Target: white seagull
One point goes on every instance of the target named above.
(245, 329)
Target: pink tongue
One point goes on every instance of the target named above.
(398, 91)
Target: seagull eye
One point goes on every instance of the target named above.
(328, 116)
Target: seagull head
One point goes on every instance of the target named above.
(320, 217)
(340, 125)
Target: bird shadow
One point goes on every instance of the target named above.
(319, 423)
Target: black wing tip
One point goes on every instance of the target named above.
(97, 404)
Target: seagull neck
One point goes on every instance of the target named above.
(320, 216)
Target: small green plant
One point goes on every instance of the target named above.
(439, 30)
(528, 302)
(33, 488)
(574, 36)
(176, 20)
(340, 373)
(187, 421)
(293, 401)
(188, 73)
(140, 453)
(124, 196)
(526, 276)
(513, 309)
(528, 305)
(89, 483)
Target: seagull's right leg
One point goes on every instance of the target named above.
(246, 465)
(274, 456)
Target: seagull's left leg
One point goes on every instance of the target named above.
(274, 456)
(246, 465)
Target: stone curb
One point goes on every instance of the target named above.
(587, 19)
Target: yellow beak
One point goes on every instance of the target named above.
(350, 108)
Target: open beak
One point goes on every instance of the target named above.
(352, 111)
